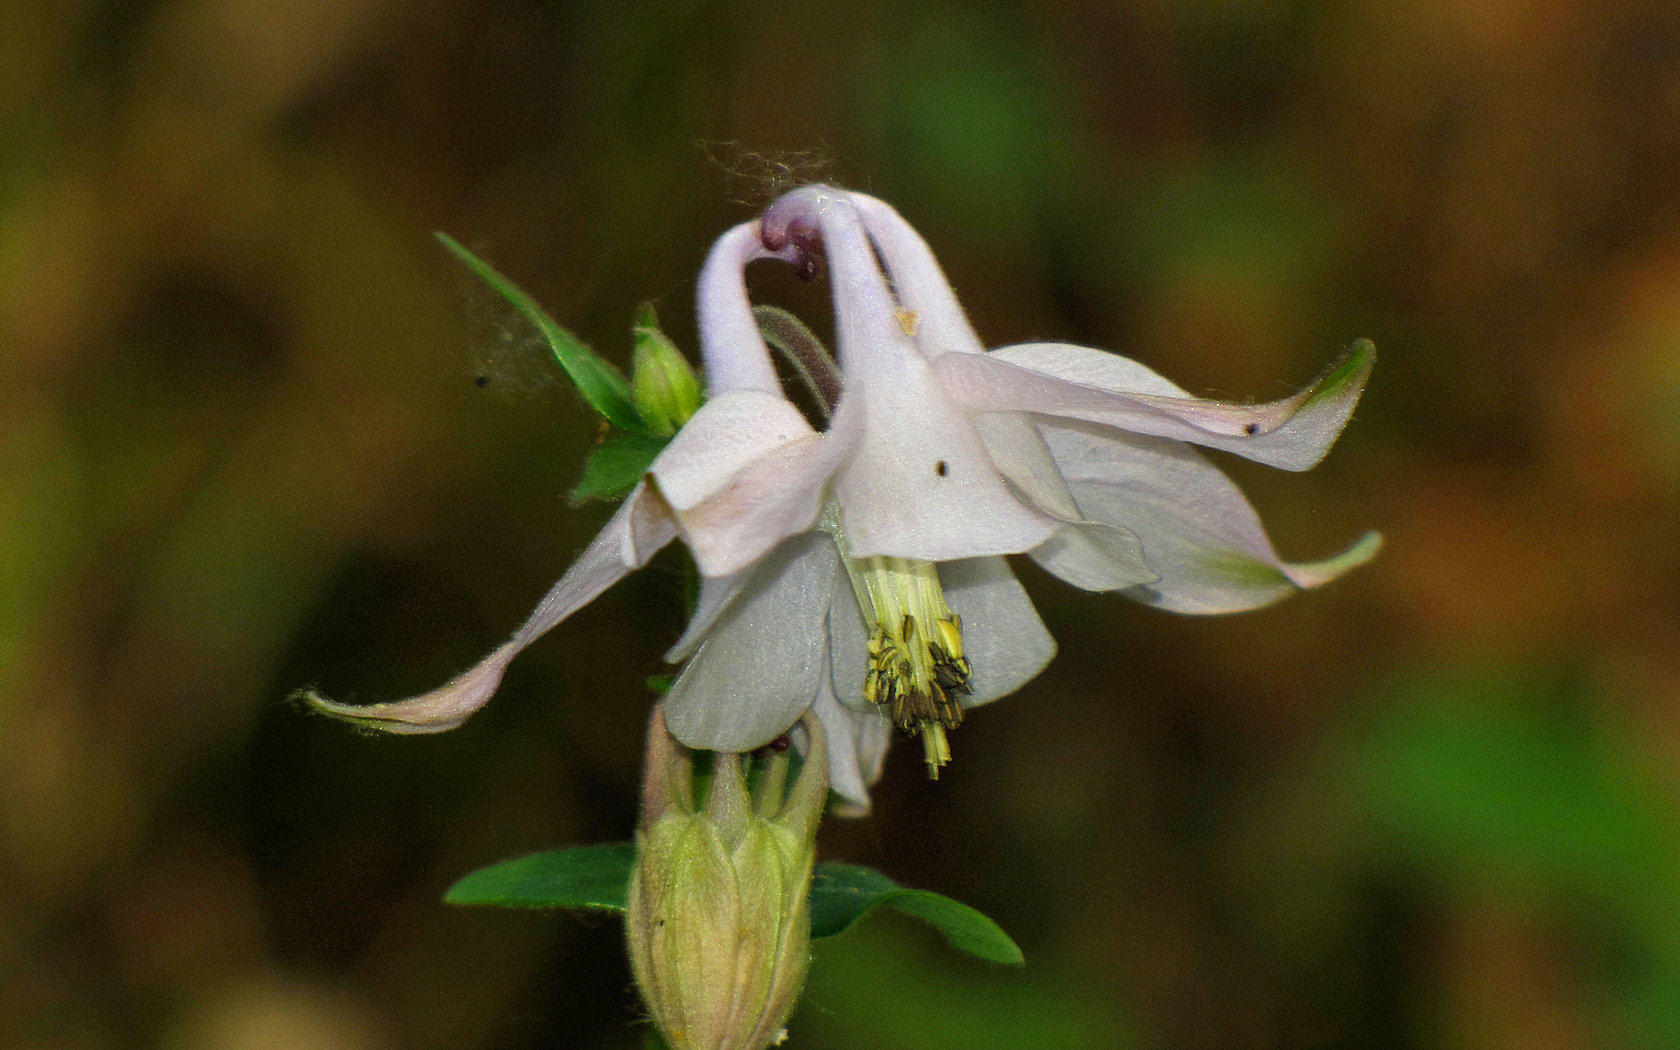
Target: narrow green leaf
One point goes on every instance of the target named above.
(596, 877)
(600, 383)
(842, 894)
(615, 465)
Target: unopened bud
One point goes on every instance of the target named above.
(719, 920)
(666, 389)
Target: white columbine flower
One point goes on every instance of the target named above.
(860, 571)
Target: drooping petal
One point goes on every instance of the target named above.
(1005, 641)
(857, 745)
(634, 534)
(1080, 383)
(759, 666)
(1198, 531)
(918, 483)
(716, 592)
(848, 646)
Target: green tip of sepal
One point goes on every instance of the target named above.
(351, 714)
(435, 712)
(1352, 369)
(1312, 574)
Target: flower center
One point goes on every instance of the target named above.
(917, 670)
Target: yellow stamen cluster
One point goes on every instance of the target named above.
(917, 670)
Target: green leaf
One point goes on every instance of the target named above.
(842, 894)
(600, 383)
(596, 877)
(615, 465)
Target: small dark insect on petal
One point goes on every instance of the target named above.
(1251, 429)
(941, 469)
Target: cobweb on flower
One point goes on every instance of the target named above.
(758, 177)
(506, 356)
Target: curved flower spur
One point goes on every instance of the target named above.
(860, 571)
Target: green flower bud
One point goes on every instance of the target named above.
(719, 920)
(666, 389)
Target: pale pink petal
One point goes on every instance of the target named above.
(1198, 531)
(744, 474)
(634, 534)
(1003, 638)
(778, 495)
(728, 433)
(1080, 383)
(919, 483)
(759, 666)
(1087, 554)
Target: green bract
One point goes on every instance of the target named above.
(666, 388)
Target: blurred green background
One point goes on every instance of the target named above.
(258, 431)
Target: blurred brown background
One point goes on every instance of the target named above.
(244, 447)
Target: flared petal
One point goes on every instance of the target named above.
(759, 666)
(779, 495)
(857, 746)
(1198, 531)
(1003, 638)
(634, 534)
(1075, 382)
(744, 474)
(1090, 555)
(726, 435)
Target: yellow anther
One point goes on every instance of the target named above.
(917, 671)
